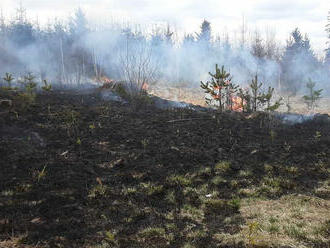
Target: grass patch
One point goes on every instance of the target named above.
(216, 207)
(222, 167)
(290, 220)
(179, 180)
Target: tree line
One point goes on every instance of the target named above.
(73, 53)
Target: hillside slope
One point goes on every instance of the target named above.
(77, 171)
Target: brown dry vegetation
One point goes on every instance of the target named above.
(196, 96)
(77, 171)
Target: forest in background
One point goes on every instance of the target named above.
(76, 53)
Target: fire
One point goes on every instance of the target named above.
(145, 86)
(237, 103)
(216, 96)
(107, 83)
(105, 80)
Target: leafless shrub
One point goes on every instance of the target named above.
(138, 67)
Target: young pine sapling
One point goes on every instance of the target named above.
(255, 89)
(266, 98)
(29, 83)
(8, 79)
(313, 95)
(219, 88)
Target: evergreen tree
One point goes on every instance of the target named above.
(298, 61)
(157, 37)
(255, 89)
(220, 88)
(258, 49)
(78, 24)
(169, 35)
(255, 98)
(21, 32)
(204, 36)
(188, 39)
(313, 95)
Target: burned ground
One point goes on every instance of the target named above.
(77, 171)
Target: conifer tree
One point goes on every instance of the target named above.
(168, 35)
(205, 35)
(188, 39)
(8, 79)
(78, 24)
(298, 56)
(257, 99)
(255, 89)
(313, 95)
(258, 49)
(266, 98)
(217, 88)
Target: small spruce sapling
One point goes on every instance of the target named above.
(254, 99)
(218, 87)
(313, 95)
(30, 84)
(27, 98)
(266, 99)
(8, 79)
(255, 89)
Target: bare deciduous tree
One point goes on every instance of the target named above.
(138, 67)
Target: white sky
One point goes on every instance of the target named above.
(186, 15)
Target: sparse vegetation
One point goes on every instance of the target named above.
(228, 96)
(221, 89)
(88, 163)
(8, 79)
(80, 170)
(46, 87)
(313, 95)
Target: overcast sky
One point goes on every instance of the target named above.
(186, 15)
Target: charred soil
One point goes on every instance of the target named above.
(77, 171)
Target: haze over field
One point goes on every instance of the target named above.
(186, 15)
(284, 42)
(164, 123)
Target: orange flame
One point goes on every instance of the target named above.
(105, 80)
(237, 103)
(216, 96)
(107, 83)
(145, 86)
